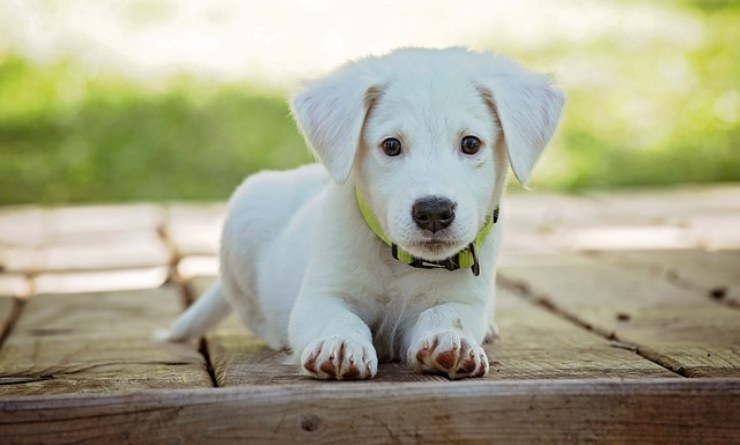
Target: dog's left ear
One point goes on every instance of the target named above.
(528, 108)
(331, 113)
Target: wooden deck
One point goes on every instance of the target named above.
(620, 320)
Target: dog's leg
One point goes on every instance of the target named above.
(493, 333)
(443, 340)
(206, 312)
(331, 340)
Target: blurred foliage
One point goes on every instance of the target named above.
(656, 114)
(65, 138)
(646, 113)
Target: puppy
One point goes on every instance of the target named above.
(387, 249)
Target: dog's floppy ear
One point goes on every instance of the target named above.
(331, 113)
(528, 108)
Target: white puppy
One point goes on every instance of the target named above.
(348, 263)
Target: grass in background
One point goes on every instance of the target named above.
(656, 115)
(67, 139)
(650, 113)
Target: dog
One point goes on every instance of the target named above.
(386, 249)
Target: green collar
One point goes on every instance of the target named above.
(466, 258)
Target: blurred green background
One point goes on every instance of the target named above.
(641, 112)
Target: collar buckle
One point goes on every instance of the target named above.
(476, 265)
(449, 264)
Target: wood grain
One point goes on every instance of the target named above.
(536, 344)
(571, 411)
(714, 274)
(97, 343)
(7, 312)
(676, 327)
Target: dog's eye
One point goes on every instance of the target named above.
(470, 145)
(392, 147)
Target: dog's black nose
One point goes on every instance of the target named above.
(433, 213)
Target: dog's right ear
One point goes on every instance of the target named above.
(331, 113)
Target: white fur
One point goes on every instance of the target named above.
(303, 269)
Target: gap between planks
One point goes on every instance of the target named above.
(188, 297)
(186, 293)
(522, 290)
(9, 323)
(682, 339)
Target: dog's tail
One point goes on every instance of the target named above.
(205, 313)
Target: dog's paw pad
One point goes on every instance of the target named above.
(451, 354)
(340, 358)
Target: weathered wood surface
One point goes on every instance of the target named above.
(14, 285)
(536, 344)
(676, 327)
(32, 226)
(708, 214)
(97, 343)
(99, 280)
(599, 331)
(571, 411)
(714, 274)
(7, 311)
(195, 229)
(109, 251)
(687, 218)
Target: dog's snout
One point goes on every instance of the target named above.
(433, 213)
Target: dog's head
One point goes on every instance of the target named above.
(425, 134)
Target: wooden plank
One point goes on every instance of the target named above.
(35, 226)
(100, 280)
(572, 411)
(688, 217)
(14, 285)
(534, 344)
(625, 237)
(707, 216)
(716, 232)
(715, 274)
(197, 266)
(676, 327)
(81, 223)
(195, 229)
(544, 223)
(23, 226)
(82, 238)
(114, 251)
(98, 343)
(238, 357)
(7, 311)
(675, 204)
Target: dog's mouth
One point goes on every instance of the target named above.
(437, 248)
(435, 244)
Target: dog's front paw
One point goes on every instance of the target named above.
(449, 353)
(341, 358)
